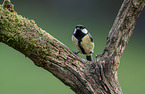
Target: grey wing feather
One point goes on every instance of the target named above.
(90, 37)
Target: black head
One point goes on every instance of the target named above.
(80, 26)
(80, 31)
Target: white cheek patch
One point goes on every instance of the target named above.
(74, 31)
(85, 31)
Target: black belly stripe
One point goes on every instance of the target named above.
(82, 49)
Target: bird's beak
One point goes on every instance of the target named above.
(78, 29)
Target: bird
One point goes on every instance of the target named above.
(83, 41)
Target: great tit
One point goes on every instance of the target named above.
(83, 41)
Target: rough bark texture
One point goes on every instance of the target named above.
(84, 77)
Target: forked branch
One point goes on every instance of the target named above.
(84, 77)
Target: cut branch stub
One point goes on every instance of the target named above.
(83, 77)
(7, 4)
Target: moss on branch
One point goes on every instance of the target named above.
(7, 4)
(84, 77)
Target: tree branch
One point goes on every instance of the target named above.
(84, 77)
(122, 28)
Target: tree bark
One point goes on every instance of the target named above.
(82, 76)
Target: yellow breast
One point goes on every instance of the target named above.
(86, 44)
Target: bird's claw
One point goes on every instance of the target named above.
(76, 52)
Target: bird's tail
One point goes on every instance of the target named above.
(89, 57)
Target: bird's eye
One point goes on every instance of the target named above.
(82, 27)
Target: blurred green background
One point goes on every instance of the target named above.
(18, 74)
